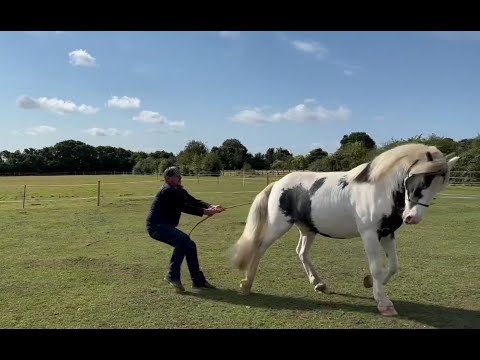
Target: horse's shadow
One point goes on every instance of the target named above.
(432, 315)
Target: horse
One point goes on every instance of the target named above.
(371, 200)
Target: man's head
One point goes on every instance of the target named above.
(173, 176)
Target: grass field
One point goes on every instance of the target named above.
(67, 263)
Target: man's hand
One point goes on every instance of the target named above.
(213, 209)
(219, 208)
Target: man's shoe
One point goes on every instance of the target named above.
(205, 285)
(177, 284)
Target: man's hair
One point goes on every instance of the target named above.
(171, 171)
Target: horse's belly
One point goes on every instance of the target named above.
(339, 225)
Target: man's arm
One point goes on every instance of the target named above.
(194, 206)
(190, 200)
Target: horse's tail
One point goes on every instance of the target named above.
(254, 230)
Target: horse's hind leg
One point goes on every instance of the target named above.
(246, 284)
(303, 251)
(273, 232)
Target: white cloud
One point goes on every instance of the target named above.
(107, 132)
(229, 34)
(311, 47)
(124, 102)
(40, 130)
(55, 105)
(298, 113)
(252, 116)
(176, 124)
(348, 69)
(81, 58)
(321, 52)
(150, 117)
(87, 109)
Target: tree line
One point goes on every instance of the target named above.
(73, 156)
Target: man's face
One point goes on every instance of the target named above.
(175, 180)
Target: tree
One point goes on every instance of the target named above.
(361, 137)
(327, 163)
(212, 163)
(299, 162)
(72, 155)
(233, 154)
(148, 165)
(279, 165)
(351, 155)
(162, 155)
(164, 164)
(191, 157)
(315, 154)
(282, 154)
(258, 161)
(269, 157)
(138, 155)
(445, 145)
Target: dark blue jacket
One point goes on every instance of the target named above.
(169, 203)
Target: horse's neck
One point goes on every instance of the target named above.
(394, 182)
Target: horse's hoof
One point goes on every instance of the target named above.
(368, 281)
(321, 288)
(244, 289)
(389, 311)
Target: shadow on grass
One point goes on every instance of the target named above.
(432, 315)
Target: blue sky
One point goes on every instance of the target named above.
(296, 90)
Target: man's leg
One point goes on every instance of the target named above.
(193, 265)
(175, 238)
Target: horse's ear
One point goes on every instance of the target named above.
(452, 162)
(449, 156)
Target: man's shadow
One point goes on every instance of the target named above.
(432, 315)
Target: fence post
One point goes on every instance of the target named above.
(267, 178)
(24, 192)
(98, 194)
(244, 179)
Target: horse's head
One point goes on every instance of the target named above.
(422, 183)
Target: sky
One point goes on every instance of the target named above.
(149, 91)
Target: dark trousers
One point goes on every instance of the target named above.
(184, 247)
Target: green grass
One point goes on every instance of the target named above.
(70, 264)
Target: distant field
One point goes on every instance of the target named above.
(67, 263)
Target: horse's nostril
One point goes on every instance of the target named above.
(408, 219)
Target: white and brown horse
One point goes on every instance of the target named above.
(371, 201)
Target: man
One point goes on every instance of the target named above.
(162, 220)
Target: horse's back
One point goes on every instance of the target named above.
(319, 201)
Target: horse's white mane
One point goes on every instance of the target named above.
(415, 158)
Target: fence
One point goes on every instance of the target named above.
(21, 192)
(27, 191)
(471, 178)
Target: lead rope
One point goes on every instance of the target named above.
(230, 207)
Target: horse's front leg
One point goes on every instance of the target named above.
(374, 256)
(389, 246)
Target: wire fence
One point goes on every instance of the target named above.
(29, 191)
